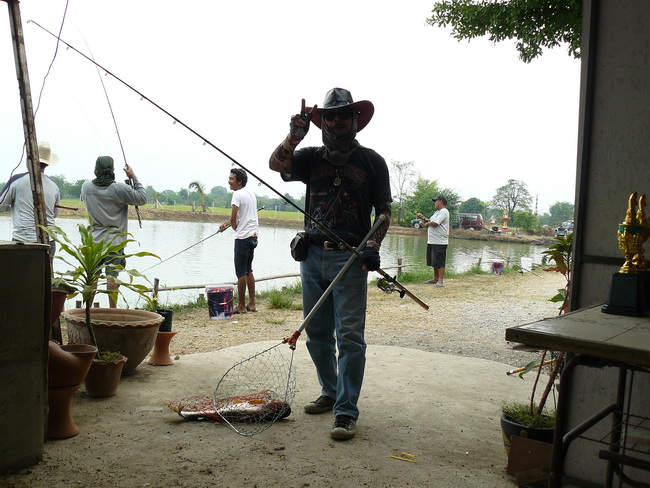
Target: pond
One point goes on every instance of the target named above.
(187, 261)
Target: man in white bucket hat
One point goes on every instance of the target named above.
(17, 197)
(345, 182)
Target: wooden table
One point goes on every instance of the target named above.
(595, 339)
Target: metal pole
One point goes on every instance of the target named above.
(29, 129)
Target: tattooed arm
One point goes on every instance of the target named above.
(380, 233)
(298, 127)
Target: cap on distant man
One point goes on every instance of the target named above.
(440, 197)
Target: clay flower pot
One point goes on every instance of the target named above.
(104, 377)
(160, 355)
(68, 365)
(67, 368)
(132, 333)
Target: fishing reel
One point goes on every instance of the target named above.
(387, 285)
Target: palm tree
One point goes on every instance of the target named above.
(199, 188)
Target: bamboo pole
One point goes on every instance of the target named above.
(29, 129)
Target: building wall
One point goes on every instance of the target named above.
(613, 162)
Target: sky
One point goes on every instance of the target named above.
(470, 115)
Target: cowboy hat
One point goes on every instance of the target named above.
(45, 154)
(338, 98)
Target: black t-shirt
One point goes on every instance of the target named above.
(344, 209)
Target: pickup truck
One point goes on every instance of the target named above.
(564, 229)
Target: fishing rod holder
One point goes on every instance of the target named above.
(387, 285)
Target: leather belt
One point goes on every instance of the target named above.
(326, 245)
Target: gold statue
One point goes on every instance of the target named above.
(632, 234)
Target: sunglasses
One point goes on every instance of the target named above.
(337, 114)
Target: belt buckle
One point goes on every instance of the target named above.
(329, 246)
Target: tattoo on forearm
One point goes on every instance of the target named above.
(281, 157)
(380, 233)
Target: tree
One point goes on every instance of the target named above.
(561, 212)
(536, 24)
(198, 187)
(473, 205)
(525, 220)
(511, 197)
(403, 175)
(421, 199)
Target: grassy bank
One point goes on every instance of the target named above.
(289, 297)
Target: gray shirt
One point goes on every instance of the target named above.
(19, 200)
(108, 207)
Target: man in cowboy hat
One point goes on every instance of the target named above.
(345, 182)
(17, 197)
(107, 202)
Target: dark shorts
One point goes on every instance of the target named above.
(244, 251)
(436, 255)
(116, 259)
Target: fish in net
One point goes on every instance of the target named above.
(266, 380)
(256, 406)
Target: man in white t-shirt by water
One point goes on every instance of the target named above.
(437, 240)
(243, 221)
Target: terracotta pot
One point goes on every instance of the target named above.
(130, 332)
(104, 377)
(68, 365)
(58, 303)
(160, 355)
(60, 424)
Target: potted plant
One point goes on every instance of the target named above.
(87, 265)
(533, 420)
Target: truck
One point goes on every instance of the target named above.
(468, 221)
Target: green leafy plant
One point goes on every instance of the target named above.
(87, 263)
(560, 253)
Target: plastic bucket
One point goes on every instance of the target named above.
(497, 266)
(220, 298)
(526, 265)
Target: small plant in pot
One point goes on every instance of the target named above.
(87, 262)
(533, 420)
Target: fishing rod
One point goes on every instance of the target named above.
(66, 208)
(311, 218)
(196, 243)
(128, 181)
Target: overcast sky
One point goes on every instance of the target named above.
(469, 115)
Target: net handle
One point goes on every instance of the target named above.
(294, 337)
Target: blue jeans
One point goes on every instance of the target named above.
(340, 322)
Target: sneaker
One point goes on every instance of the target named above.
(321, 405)
(439, 285)
(344, 427)
(430, 282)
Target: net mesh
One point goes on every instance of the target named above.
(258, 391)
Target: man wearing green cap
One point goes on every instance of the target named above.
(107, 202)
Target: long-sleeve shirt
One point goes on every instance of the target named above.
(17, 197)
(108, 207)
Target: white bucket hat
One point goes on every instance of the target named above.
(45, 154)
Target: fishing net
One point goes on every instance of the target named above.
(256, 392)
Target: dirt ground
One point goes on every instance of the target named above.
(434, 384)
